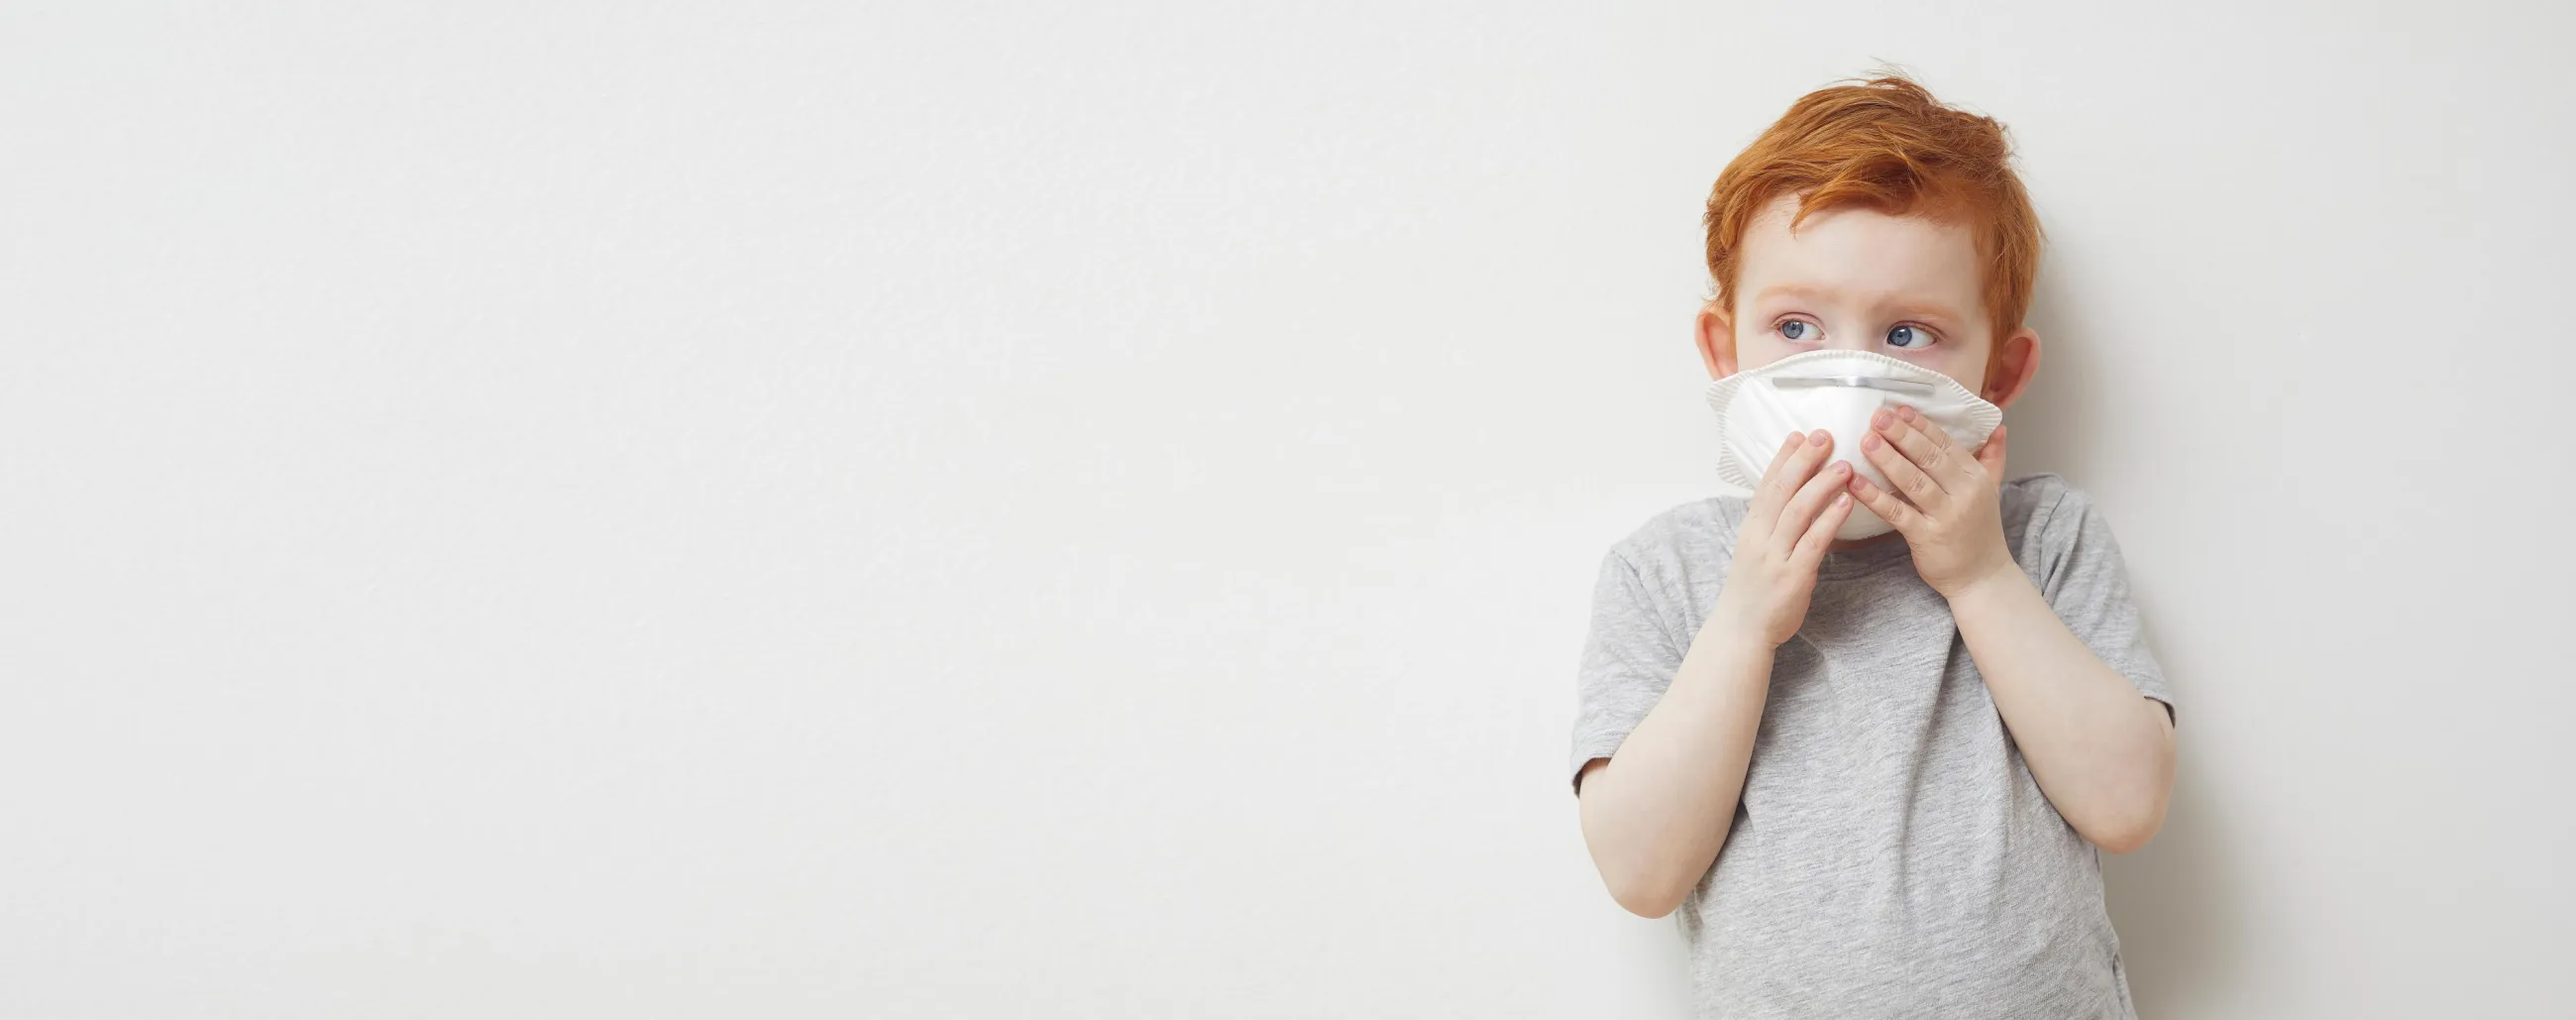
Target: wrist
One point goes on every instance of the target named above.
(1729, 625)
(1984, 585)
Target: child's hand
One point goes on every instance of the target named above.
(1951, 510)
(1790, 522)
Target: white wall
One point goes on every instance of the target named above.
(634, 510)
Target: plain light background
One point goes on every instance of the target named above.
(949, 510)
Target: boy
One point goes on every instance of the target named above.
(1871, 775)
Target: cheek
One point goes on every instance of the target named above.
(1961, 362)
(1762, 348)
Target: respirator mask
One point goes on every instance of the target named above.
(1837, 391)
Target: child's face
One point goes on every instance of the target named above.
(1859, 279)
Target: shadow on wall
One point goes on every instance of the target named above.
(2174, 906)
(2174, 901)
(2058, 421)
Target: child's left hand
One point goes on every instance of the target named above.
(1951, 510)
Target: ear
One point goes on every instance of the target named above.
(1716, 340)
(2009, 371)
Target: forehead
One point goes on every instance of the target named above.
(1859, 254)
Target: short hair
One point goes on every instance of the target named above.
(1885, 144)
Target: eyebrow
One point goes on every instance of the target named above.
(1902, 306)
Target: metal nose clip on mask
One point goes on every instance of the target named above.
(1837, 391)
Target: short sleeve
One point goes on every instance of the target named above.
(2086, 581)
(1629, 658)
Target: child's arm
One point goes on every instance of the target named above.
(2102, 753)
(1656, 812)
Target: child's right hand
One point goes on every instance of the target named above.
(1790, 522)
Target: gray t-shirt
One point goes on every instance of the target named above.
(1891, 854)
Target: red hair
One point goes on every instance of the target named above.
(1885, 144)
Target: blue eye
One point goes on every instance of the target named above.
(1911, 338)
(1802, 326)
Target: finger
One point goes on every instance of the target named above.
(1811, 499)
(1787, 447)
(1991, 455)
(1901, 473)
(1761, 503)
(1896, 512)
(1940, 437)
(1912, 433)
(1820, 534)
(1796, 464)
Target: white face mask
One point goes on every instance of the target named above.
(1837, 391)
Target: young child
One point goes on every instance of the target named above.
(1872, 775)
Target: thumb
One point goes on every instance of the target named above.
(1991, 455)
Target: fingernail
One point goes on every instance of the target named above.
(1905, 411)
(1818, 437)
(1882, 419)
(1873, 442)
(1841, 498)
